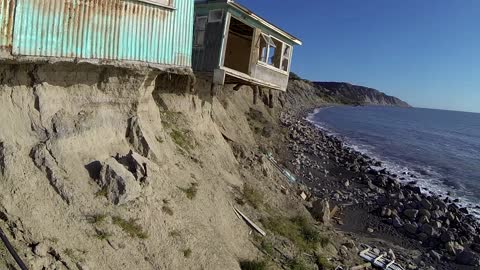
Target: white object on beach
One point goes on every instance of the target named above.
(379, 260)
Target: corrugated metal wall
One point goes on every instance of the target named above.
(104, 29)
(6, 24)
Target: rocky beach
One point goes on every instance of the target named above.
(375, 207)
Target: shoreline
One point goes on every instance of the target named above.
(405, 173)
(375, 207)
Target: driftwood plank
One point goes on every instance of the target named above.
(253, 225)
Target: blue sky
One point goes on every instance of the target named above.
(426, 52)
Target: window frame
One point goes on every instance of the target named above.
(289, 57)
(210, 17)
(197, 29)
(270, 43)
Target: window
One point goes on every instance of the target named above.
(165, 3)
(266, 45)
(275, 53)
(287, 54)
(215, 16)
(263, 53)
(200, 30)
(272, 52)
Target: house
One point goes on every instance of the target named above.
(157, 32)
(235, 46)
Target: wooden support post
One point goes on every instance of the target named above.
(256, 89)
(270, 98)
(237, 87)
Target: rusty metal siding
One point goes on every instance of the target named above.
(104, 29)
(6, 24)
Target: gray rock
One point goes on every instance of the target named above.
(386, 212)
(423, 220)
(435, 255)
(447, 237)
(397, 222)
(467, 257)
(426, 204)
(411, 228)
(424, 212)
(454, 248)
(422, 237)
(136, 137)
(428, 230)
(411, 213)
(41, 249)
(121, 185)
(321, 211)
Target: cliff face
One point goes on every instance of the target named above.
(354, 94)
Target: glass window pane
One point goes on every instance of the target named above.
(263, 48)
(275, 53)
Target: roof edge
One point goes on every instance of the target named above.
(265, 22)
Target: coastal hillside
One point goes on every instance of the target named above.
(106, 167)
(361, 95)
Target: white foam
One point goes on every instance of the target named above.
(430, 184)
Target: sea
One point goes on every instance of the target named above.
(439, 149)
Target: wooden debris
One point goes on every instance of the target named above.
(253, 225)
(334, 211)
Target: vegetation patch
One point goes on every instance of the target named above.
(96, 219)
(324, 264)
(299, 264)
(267, 247)
(190, 192)
(102, 235)
(251, 195)
(130, 227)
(181, 139)
(253, 265)
(299, 230)
(102, 192)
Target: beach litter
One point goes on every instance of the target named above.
(249, 222)
(380, 261)
(289, 175)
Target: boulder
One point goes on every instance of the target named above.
(424, 212)
(447, 237)
(423, 220)
(120, 184)
(397, 222)
(411, 213)
(428, 230)
(411, 228)
(435, 255)
(454, 248)
(321, 211)
(426, 204)
(467, 257)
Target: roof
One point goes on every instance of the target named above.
(252, 15)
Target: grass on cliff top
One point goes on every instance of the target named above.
(130, 227)
(298, 229)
